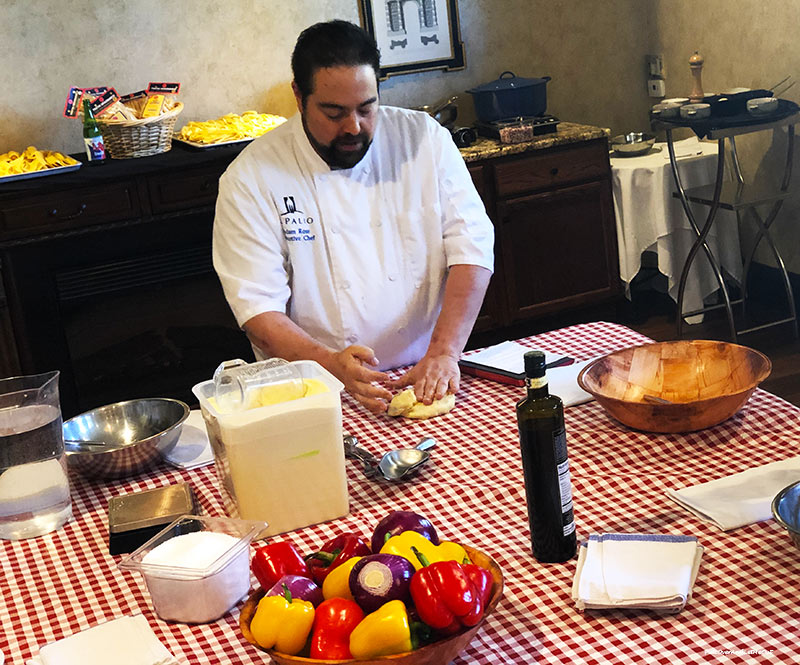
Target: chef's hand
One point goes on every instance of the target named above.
(432, 377)
(352, 367)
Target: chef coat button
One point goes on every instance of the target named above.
(345, 285)
(334, 230)
(417, 285)
(392, 278)
(352, 339)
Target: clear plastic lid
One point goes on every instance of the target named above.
(237, 384)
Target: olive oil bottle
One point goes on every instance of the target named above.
(543, 444)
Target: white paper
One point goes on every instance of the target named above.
(636, 571)
(123, 641)
(193, 448)
(508, 356)
(563, 381)
(740, 499)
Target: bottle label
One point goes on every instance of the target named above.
(95, 148)
(564, 481)
(535, 382)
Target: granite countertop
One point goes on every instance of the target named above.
(567, 132)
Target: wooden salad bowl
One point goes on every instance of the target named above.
(679, 386)
(436, 653)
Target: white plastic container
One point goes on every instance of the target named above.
(282, 463)
(197, 568)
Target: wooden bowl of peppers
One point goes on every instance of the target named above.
(405, 598)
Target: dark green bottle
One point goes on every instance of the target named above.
(543, 444)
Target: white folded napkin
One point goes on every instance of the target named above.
(563, 381)
(193, 448)
(635, 570)
(123, 641)
(740, 499)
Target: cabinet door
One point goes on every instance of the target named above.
(491, 315)
(559, 249)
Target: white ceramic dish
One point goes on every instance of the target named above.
(762, 105)
(676, 100)
(206, 146)
(666, 110)
(735, 91)
(695, 111)
(39, 174)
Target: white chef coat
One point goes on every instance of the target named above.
(352, 256)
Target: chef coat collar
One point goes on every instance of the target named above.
(318, 165)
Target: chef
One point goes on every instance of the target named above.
(352, 234)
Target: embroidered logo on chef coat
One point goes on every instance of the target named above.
(296, 225)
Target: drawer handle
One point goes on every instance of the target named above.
(54, 213)
(554, 171)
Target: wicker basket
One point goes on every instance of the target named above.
(139, 138)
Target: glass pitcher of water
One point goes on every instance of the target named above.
(34, 483)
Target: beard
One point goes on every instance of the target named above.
(335, 156)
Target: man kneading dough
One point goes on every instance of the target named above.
(405, 404)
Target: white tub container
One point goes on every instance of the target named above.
(282, 463)
(197, 568)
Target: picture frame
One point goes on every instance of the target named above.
(414, 35)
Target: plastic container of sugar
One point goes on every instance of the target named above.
(262, 452)
(197, 568)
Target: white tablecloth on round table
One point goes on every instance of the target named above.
(650, 218)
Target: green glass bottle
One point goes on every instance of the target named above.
(543, 445)
(92, 137)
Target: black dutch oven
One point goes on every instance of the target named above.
(510, 96)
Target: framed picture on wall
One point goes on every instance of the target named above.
(414, 35)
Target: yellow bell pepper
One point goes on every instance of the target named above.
(402, 544)
(384, 632)
(337, 582)
(282, 623)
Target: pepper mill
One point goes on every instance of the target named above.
(696, 65)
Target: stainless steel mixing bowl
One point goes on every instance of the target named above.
(786, 511)
(633, 143)
(124, 438)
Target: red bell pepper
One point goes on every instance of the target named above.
(449, 595)
(334, 620)
(334, 553)
(273, 561)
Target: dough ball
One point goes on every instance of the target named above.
(438, 407)
(402, 402)
(406, 404)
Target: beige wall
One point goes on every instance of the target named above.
(745, 43)
(233, 55)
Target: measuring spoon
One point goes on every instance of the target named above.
(396, 464)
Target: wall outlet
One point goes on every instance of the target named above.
(655, 66)
(656, 88)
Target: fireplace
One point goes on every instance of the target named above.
(126, 311)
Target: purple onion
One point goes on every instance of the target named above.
(300, 587)
(378, 578)
(402, 520)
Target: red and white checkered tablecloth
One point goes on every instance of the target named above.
(744, 607)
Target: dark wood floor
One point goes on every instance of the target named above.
(653, 314)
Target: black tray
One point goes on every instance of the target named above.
(704, 126)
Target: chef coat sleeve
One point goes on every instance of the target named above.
(466, 228)
(248, 248)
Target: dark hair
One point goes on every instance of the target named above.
(329, 45)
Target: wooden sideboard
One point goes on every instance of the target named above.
(555, 236)
(106, 275)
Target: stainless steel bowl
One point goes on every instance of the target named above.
(786, 510)
(633, 143)
(124, 438)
